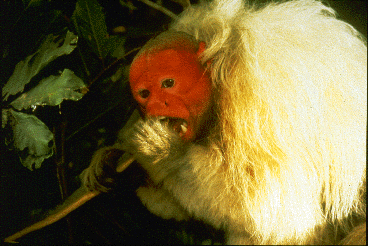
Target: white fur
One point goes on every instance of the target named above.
(293, 81)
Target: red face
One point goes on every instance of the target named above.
(172, 85)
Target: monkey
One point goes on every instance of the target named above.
(253, 120)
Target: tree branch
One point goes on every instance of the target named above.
(160, 8)
(77, 199)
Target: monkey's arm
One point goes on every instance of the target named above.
(194, 174)
(187, 170)
(77, 199)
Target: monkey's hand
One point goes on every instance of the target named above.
(101, 173)
(156, 146)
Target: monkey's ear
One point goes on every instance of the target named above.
(201, 49)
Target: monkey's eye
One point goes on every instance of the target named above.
(167, 83)
(144, 93)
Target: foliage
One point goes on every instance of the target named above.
(53, 89)
(29, 133)
(25, 70)
(90, 24)
(64, 67)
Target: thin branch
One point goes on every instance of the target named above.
(76, 26)
(77, 199)
(114, 63)
(160, 8)
(184, 3)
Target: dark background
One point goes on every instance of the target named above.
(118, 216)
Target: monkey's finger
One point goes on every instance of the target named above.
(125, 160)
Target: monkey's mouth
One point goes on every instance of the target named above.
(177, 124)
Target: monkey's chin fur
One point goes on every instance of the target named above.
(286, 163)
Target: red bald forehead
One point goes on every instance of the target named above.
(180, 42)
(170, 40)
(164, 61)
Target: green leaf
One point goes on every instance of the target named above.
(30, 135)
(52, 91)
(115, 46)
(32, 3)
(26, 69)
(127, 4)
(89, 21)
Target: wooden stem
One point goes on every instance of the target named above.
(74, 201)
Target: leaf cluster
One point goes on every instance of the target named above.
(64, 89)
(43, 77)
